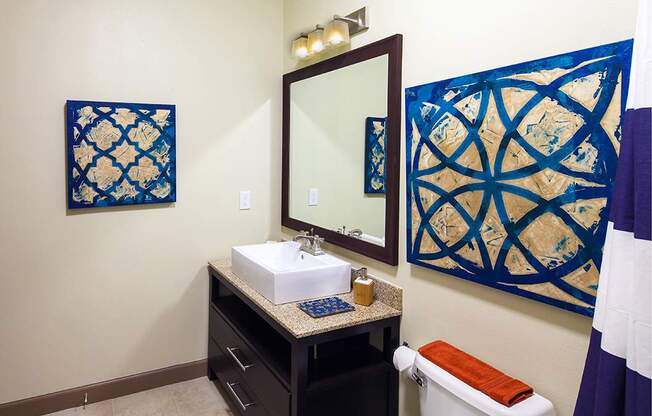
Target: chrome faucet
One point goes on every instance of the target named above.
(310, 243)
(356, 232)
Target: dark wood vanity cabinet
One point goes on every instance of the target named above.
(263, 370)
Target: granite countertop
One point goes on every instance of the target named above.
(388, 304)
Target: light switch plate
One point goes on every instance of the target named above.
(313, 197)
(245, 199)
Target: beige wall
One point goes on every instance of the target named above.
(540, 344)
(105, 293)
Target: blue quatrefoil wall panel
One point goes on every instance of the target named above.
(120, 153)
(510, 171)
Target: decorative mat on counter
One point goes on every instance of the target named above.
(325, 307)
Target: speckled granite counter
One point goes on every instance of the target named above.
(388, 304)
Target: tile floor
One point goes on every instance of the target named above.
(198, 397)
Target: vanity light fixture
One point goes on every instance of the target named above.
(316, 40)
(337, 32)
(357, 21)
(300, 46)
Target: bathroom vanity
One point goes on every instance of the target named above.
(275, 360)
(340, 181)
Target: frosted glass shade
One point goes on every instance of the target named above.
(336, 33)
(316, 41)
(300, 47)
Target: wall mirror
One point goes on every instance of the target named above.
(341, 147)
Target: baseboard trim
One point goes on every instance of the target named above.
(104, 390)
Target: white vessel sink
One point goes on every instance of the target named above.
(282, 273)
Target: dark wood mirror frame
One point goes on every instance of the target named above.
(391, 46)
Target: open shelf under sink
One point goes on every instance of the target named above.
(260, 336)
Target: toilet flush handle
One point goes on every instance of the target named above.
(414, 374)
(417, 379)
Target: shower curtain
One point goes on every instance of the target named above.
(616, 380)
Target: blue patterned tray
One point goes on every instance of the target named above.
(324, 307)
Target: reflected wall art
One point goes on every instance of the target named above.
(374, 163)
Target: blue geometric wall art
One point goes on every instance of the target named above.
(120, 153)
(510, 171)
(374, 163)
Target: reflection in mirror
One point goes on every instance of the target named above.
(337, 152)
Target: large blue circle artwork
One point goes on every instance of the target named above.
(510, 171)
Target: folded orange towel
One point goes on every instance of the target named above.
(477, 374)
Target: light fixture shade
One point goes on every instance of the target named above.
(336, 33)
(300, 47)
(316, 40)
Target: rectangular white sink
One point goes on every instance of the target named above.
(282, 273)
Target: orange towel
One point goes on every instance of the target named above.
(477, 374)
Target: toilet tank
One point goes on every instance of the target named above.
(442, 394)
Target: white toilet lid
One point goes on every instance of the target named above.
(533, 406)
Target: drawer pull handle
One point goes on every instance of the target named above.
(237, 398)
(243, 367)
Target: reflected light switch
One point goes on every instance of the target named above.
(245, 199)
(313, 196)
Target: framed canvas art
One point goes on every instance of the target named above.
(120, 153)
(510, 171)
(374, 159)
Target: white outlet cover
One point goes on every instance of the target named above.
(313, 197)
(245, 199)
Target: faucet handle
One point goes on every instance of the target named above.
(361, 272)
(316, 243)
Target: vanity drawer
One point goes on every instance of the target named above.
(249, 367)
(242, 398)
(217, 360)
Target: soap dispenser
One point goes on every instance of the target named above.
(363, 288)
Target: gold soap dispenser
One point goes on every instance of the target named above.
(363, 287)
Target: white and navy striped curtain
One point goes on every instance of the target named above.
(616, 377)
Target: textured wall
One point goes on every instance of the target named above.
(540, 344)
(91, 296)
